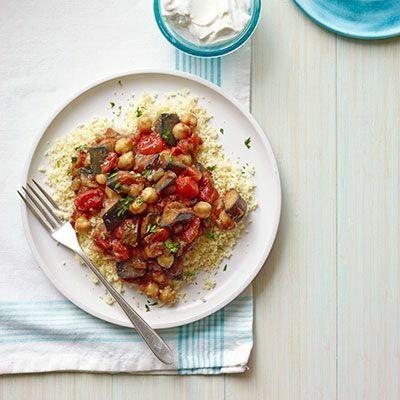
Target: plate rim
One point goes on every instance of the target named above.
(312, 17)
(166, 72)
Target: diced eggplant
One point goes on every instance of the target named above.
(175, 166)
(200, 167)
(165, 181)
(164, 125)
(87, 178)
(175, 272)
(148, 220)
(131, 269)
(157, 175)
(143, 162)
(97, 156)
(112, 181)
(131, 232)
(115, 215)
(235, 205)
(172, 215)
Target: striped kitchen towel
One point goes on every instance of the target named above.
(39, 329)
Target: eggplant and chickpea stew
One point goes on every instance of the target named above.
(154, 197)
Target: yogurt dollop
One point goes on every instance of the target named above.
(207, 22)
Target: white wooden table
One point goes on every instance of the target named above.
(327, 322)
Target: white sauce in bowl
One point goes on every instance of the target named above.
(207, 22)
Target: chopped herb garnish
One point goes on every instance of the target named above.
(147, 172)
(211, 235)
(225, 267)
(82, 147)
(147, 306)
(74, 159)
(112, 174)
(112, 104)
(125, 202)
(103, 235)
(170, 158)
(222, 130)
(139, 112)
(139, 201)
(247, 142)
(117, 185)
(151, 228)
(173, 247)
(69, 170)
(166, 134)
(211, 167)
(188, 273)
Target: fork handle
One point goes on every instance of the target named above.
(156, 344)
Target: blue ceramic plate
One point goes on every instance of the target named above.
(360, 19)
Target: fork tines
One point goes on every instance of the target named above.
(42, 205)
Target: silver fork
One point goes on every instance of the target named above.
(44, 208)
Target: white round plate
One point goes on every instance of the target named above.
(250, 253)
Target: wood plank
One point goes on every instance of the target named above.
(134, 387)
(59, 385)
(294, 69)
(368, 220)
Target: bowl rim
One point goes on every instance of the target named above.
(209, 52)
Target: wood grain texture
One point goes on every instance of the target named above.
(327, 314)
(294, 66)
(368, 220)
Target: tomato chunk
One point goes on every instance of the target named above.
(190, 231)
(186, 187)
(120, 251)
(186, 146)
(193, 173)
(126, 178)
(160, 235)
(109, 163)
(207, 191)
(150, 144)
(102, 240)
(90, 200)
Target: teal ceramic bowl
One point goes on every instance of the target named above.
(217, 50)
(359, 19)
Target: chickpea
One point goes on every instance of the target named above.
(186, 159)
(126, 161)
(82, 224)
(138, 206)
(101, 179)
(202, 209)
(123, 145)
(149, 195)
(165, 260)
(167, 295)
(135, 189)
(159, 278)
(150, 289)
(181, 131)
(144, 124)
(189, 119)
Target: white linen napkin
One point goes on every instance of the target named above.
(49, 50)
